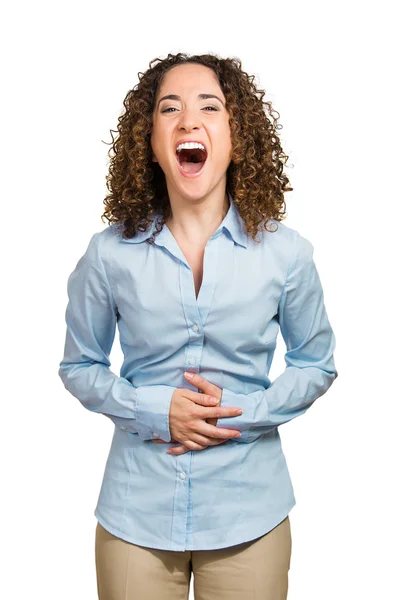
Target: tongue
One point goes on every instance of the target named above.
(191, 167)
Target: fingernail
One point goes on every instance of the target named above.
(190, 375)
(239, 412)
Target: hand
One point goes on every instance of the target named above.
(198, 441)
(207, 388)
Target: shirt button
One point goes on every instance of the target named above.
(195, 328)
(191, 361)
(182, 475)
(155, 433)
(123, 428)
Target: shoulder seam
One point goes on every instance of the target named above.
(293, 259)
(110, 292)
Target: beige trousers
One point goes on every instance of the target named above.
(254, 570)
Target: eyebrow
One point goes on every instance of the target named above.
(200, 97)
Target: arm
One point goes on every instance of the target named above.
(310, 343)
(91, 317)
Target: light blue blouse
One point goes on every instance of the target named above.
(241, 489)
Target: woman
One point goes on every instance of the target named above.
(196, 479)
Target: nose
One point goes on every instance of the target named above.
(189, 120)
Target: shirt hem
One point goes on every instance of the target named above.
(253, 534)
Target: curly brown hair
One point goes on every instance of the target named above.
(255, 177)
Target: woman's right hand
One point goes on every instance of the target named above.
(187, 419)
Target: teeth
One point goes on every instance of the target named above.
(190, 145)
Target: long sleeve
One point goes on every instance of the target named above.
(310, 343)
(91, 318)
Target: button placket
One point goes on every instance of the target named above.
(181, 506)
(195, 313)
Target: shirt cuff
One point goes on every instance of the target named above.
(238, 422)
(152, 408)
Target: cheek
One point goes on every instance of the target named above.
(156, 136)
(226, 137)
(157, 146)
(226, 145)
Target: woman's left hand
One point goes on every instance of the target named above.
(207, 388)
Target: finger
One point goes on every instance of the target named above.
(178, 450)
(189, 445)
(192, 445)
(202, 399)
(203, 441)
(181, 451)
(212, 431)
(182, 448)
(207, 387)
(216, 412)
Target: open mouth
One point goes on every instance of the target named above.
(191, 160)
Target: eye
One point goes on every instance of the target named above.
(172, 108)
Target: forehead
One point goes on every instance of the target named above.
(183, 78)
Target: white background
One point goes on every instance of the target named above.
(333, 71)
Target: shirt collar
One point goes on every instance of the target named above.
(232, 222)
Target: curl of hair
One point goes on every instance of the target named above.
(255, 175)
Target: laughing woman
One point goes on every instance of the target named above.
(198, 272)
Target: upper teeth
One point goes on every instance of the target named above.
(190, 145)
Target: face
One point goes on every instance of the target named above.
(189, 117)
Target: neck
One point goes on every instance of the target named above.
(196, 223)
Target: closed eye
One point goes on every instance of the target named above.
(172, 107)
